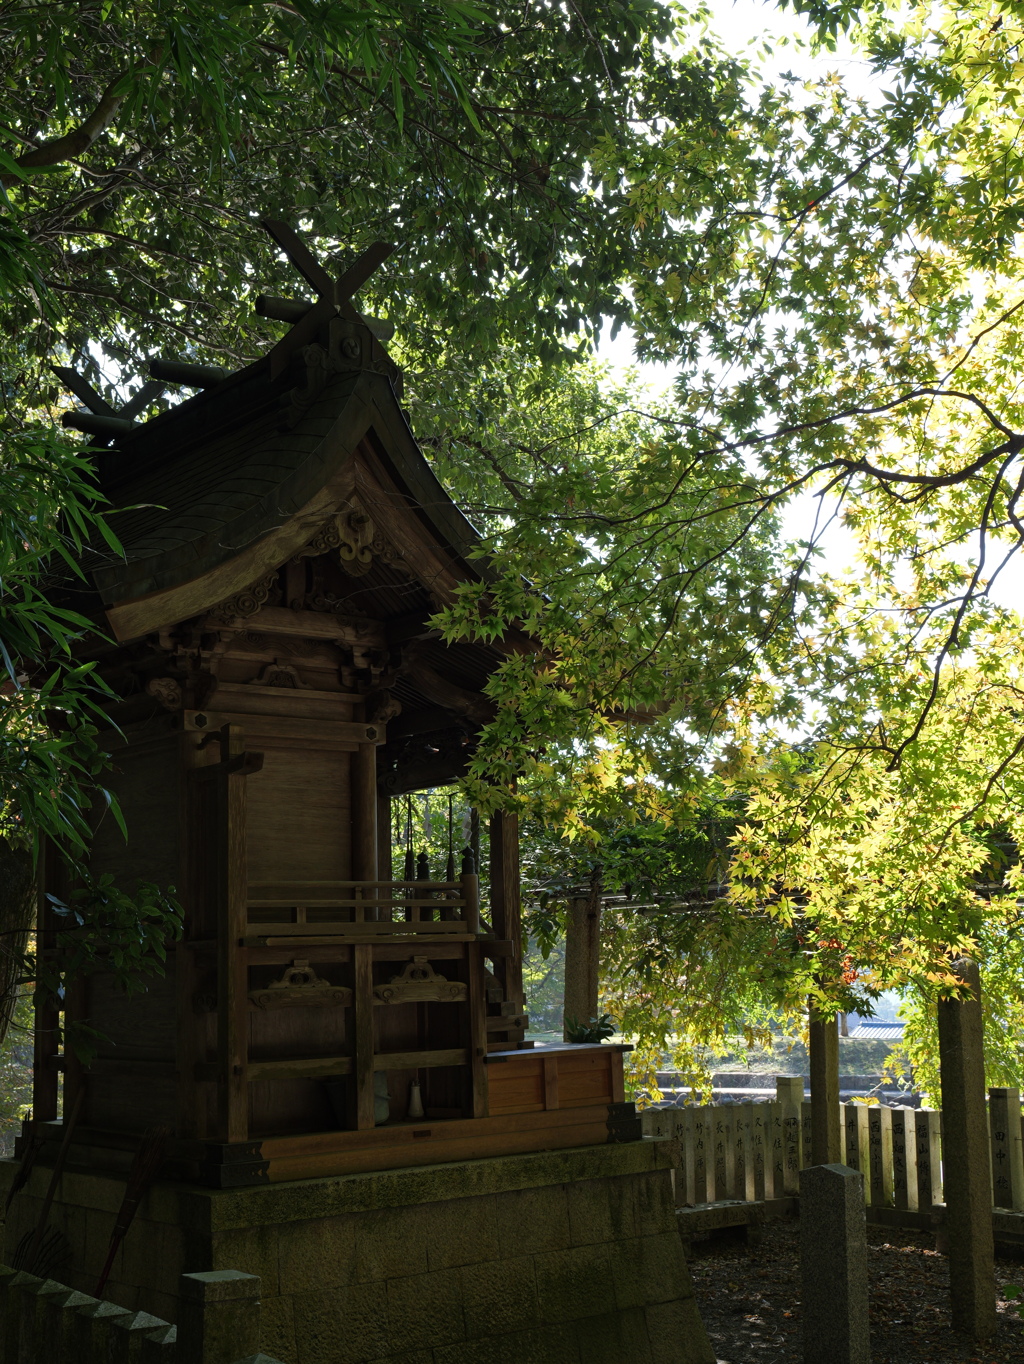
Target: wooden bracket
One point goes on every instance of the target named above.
(232, 764)
(244, 765)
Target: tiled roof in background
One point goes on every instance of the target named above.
(878, 1029)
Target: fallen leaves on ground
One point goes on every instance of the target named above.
(749, 1299)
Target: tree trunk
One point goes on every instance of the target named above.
(823, 1049)
(17, 906)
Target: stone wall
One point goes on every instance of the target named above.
(566, 1257)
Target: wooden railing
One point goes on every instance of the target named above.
(755, 1151)
(296, 905)
(357, 946)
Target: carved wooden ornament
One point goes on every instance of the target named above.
(351, 532)
(167, 691)
(419, 983)
(245, 603)
(300, 985)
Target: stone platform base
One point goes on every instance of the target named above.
(563, 1257)
(705, 1219)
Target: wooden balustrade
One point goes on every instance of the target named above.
(375, 954)
(338, 903)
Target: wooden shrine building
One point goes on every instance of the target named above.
(324, 1017)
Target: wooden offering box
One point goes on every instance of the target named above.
(279, 682)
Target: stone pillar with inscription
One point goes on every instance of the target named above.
(789, 1094)
(965, 1159)
(1007, 1161)
(834, 1266)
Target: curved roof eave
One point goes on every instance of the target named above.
(271, 501)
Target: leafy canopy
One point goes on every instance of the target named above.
(838, 284)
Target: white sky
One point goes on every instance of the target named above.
(743, 26)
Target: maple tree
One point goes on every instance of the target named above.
(847, 328)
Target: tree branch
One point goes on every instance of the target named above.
(73, 144)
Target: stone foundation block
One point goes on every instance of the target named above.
(563, 1257)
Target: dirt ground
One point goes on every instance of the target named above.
(750, 1301)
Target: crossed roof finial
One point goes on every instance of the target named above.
(334, 296)
(103, 421)
(333, 299)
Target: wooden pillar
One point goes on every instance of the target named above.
(47, 1015)
(474, 838)
(363, 1050)
(18, 914)
(583, 953)
(233, 972)
(506, 904)
(385, 870)
(75, 1078)
(476, 1029)
(469, 881)
(823, 1050)
(965, 1159)
(364, 811)
(384, 867)
(217, 905)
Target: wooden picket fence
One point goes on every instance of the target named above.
(753, 1152)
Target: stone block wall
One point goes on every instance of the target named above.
(567, 1257)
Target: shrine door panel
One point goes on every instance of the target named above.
(299, 816)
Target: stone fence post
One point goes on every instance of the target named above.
(1007, 1155)
(218, 1317)
(834, 1265)
(45, 1322)
(967, 1176)
(789, 1094)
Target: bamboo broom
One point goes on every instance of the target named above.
(144, 1170)
(58, 1168)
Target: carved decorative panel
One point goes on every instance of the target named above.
(300, 985)
(167, 691)
(352, 533)
(419, 983)
(278, 674)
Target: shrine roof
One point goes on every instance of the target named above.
(204, 482)
(230, 483)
